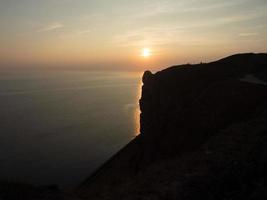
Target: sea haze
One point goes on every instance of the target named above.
(57, 127)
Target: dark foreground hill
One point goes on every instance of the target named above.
(203, 136)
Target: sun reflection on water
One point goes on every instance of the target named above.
(137, 111)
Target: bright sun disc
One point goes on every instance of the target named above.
(146, 52)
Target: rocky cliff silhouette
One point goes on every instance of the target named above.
(203, 136)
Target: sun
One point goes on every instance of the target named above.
(146, 52)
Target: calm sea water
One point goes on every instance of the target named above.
(57, 127)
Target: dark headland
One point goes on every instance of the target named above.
(203, 136)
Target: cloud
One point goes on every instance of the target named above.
(145, 36)
(248, 34)
(75, 34)
(50, 27)
(155, 8)
(83, 32)
(206, 5)
(182, 33)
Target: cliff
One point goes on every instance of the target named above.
(203, 135)
(183, 106)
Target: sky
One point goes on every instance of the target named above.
(112, 34)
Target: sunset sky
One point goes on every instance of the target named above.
(127, 34)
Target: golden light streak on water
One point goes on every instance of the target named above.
(137, 111)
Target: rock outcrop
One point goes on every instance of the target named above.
(182, 106)
(203, 136)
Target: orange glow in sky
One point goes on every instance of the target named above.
(128, 35)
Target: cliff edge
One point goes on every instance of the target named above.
(203, 136)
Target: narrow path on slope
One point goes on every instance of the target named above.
(253, 79)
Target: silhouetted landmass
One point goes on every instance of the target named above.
(203, 136)
(12, 190)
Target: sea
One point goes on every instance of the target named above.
(58, 127)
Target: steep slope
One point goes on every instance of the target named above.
(203, 135)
